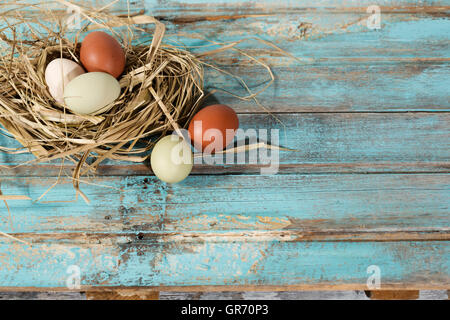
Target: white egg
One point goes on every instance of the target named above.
(58, 74)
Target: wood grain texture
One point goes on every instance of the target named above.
(333, 143)
(274, 295)
(344, 66)
(290, 295)
(236, 295)
(44, 295)
(307, 207)
(338, 265)
(246, 295)
(367, 111)
(124, 294)
(394, 295)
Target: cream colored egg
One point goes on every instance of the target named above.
(58, 74)
(171, 159)
(90, 93)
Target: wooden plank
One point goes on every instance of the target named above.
(290, 295)
(320, 207)
(220, 6)
(292, 26)
(199, 6)
(269, 295)
(122, 294)
(44, 295)
(394, 295)
(423, 287)
(433, 295)
(354, 85)
(288, 265)
(326, 143)
(293, 234)
(344, 66)
(133, 169)
(225, 295)
(316, 230)
(343, 70)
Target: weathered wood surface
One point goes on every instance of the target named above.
(326, 142)
(289, 264)
(291, 295)
(298, 207)
(246, 295)
(370, 185)
(344, 66)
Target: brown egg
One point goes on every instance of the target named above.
(208, 128)
(102, 53)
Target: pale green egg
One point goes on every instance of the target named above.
(171, 159)
(91, 92)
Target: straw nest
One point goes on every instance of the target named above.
(161, 88)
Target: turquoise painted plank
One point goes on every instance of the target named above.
(342, 87)
(401, 67)
(235, 5)
(408, 264)
(349, 142)
(360, 72)
(407, 30)
(231, 204)
(400, 37)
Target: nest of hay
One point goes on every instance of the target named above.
(161, 88)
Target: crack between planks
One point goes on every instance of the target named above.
(157, 237)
